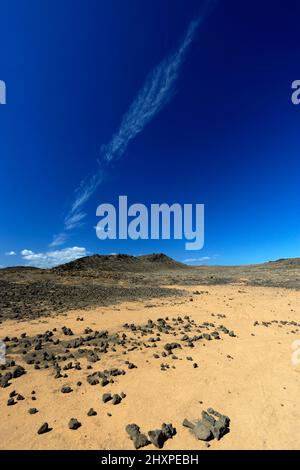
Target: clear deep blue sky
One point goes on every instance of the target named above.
(229, 138)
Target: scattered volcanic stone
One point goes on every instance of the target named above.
(20, 397)
(11, 402)
(169, 346)
(116, 399)
(66, 389)
(18, 371)
(32, 411)
(168, 430)
(221, 425)
(92, 380)
(186, 423)
(44, 428)
(91, 412)
(206, 336)
(74, 424)
(139, 440)
(159, 436)
(4, 381)
(131, 365)
(106, 397)
(209, 427)
(202, 431)
(67, 331)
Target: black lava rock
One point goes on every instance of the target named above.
(209, 427)
(139, 440)
(159, 436)
(18, 371)
(131, 365)
(116, 399)
(44, 428)
(66, 389)
(74, 424)
(106, 397)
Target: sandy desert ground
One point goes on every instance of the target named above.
(248, 376)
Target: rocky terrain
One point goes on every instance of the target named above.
(123, 352)
(107, 279)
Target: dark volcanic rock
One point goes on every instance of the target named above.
(67, 331)
(209, 427)
(188, 424)
(92, 379)
(139, 440)
(168, 430)
(11, 402)
(202, 431)
(106, 397)
(169, 346)
(74, 424)
(44, 428)
(159, 436)
(66, 389)
(221, 424)
(18, 372)
(131, 365)
(4, 381)
(116, 399)
(91, 412)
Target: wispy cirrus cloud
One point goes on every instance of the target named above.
(156, 92)
(59, 239)
(201, 259)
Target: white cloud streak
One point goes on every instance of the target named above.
(193, 260)
(11, 253)
(154, 95)
(58, 239)
(201, 259)
(53, 258)
(156, 92)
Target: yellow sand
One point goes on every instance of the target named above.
(258, 389)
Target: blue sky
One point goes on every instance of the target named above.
(228, 136)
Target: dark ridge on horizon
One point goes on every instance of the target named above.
(286, 262)
(121, 262)
(154, 261)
